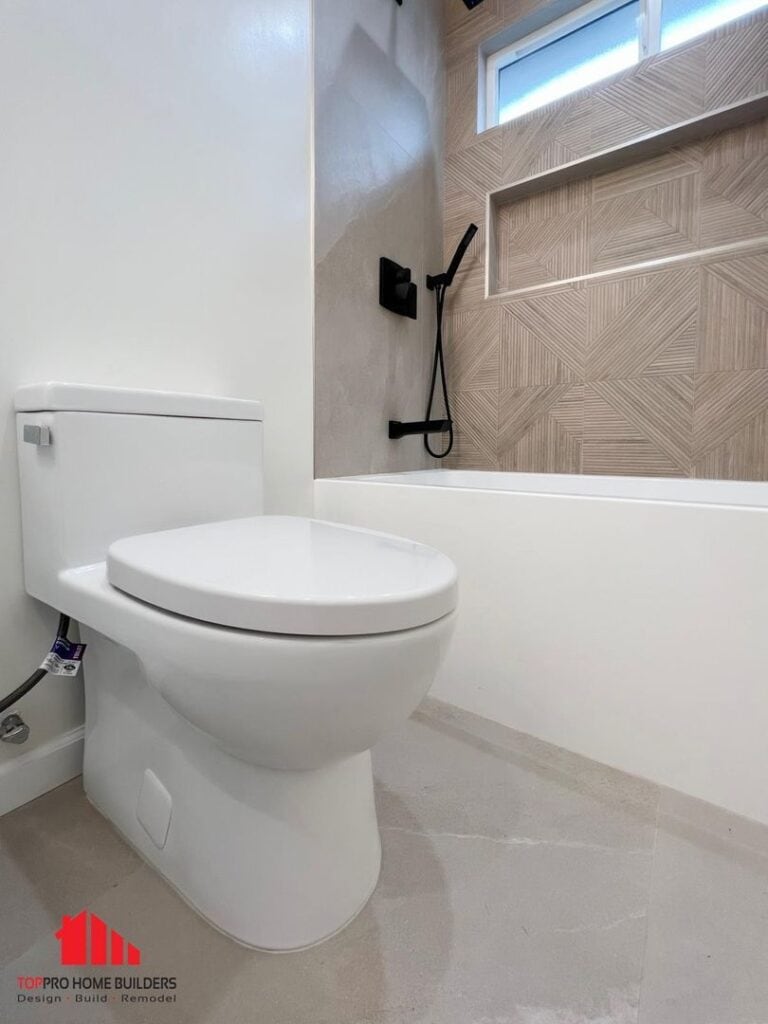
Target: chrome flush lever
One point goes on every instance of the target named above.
(35, 434)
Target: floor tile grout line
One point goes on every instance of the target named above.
(512, 841)
(651, 878)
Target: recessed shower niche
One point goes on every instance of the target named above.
(693, 190)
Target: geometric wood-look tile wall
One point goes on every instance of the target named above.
(660, 372)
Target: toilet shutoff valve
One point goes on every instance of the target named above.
(13, 729)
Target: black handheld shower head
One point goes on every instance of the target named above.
(446, 279)
(458, 256)
(439, 285)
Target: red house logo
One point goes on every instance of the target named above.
(87, 940)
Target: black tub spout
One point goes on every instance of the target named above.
(398, 429)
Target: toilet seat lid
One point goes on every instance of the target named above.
(288, 575)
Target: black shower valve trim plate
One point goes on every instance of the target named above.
(397, 293)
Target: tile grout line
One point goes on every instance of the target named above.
(513, 841)
(644, 958)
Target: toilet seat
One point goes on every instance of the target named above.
(287, 575)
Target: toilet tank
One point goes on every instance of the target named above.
(96, 464)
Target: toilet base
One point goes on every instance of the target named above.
(277, 860)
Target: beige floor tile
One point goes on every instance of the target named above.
(455, 773)
(57, 854)
(708, 919)
(515, 889)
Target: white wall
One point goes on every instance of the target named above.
(155, 209)
(633, 632)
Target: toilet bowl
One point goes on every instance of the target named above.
(239, 667)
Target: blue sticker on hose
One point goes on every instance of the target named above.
(64, 658)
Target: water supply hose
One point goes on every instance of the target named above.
(41, 673)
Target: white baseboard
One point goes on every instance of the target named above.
(31, 774)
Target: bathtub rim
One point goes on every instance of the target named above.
(746, 494)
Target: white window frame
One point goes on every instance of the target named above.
(648, 30)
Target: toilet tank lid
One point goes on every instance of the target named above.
(55, 396)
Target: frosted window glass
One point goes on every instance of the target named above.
(682, 20)
(594, 51)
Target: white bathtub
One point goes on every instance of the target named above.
(622, 618)
(638, 488)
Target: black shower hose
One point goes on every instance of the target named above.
(439, 361)
(41, 673)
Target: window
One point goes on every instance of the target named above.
(593, 42)
(685, 19)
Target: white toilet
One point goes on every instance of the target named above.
(239, 666)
